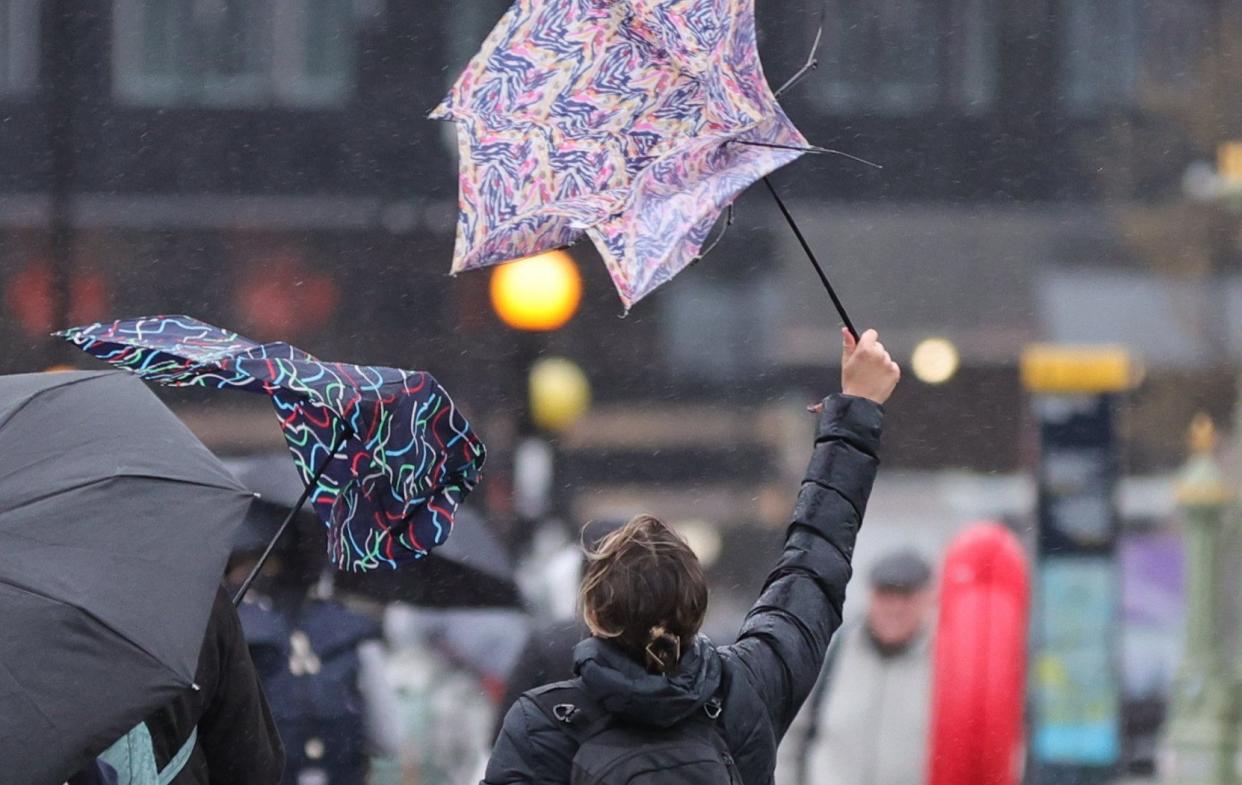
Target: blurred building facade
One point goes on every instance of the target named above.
(268, 166)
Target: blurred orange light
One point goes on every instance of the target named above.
(537, 293)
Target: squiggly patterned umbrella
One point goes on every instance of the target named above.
(632, 121)
(404, 456)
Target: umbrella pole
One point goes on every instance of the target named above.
(310, 487)
(836, 301)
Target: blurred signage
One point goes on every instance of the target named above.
(1077, 475)
(1075, 690)
(1229, 161)
(1075, 684)
(1078, 369)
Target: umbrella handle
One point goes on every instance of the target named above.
(310, 487)
(836, 301)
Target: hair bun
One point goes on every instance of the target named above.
(663, 651)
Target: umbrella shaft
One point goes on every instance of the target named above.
(836, 301)
(310, 487)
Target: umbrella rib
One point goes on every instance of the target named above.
(122, 636)
(809, 149)
(39, 392)
(121, 476)
(712, 245)
(812, 60)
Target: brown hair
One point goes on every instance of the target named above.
(644, 590)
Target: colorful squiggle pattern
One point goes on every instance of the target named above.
(613, 118)
(406, 457)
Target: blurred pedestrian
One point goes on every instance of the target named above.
(651, 694)
(867, 720)
(444, 713)
(322, 665)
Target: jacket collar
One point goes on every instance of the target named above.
(625, 688)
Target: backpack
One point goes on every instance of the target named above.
(612, 751)
(133, 758)
(309, 669)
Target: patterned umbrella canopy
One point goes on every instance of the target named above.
(634, 122)
(390, 454)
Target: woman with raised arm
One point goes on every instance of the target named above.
(654, 701)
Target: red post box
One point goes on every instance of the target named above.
(979, 670)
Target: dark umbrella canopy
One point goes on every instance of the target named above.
(279, 487)
(471, 569)
(114, 529)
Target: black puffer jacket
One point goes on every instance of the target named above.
(767, 674)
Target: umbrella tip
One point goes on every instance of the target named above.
(195, 687)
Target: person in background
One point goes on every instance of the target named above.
(867, 720)
(444, 713)
(322, 665)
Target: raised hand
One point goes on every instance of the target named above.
(867, 370)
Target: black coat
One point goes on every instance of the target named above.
(237, 740)
(767, 674)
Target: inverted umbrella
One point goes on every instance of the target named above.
(114, 530)
(634, 122)
(385, 455)
(471, 569)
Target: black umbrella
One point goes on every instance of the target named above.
(114, 529)
(471, 569)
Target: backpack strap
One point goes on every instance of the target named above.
(174, 767)
(570, 708)
(576, 713)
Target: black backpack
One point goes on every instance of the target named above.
(614, 752)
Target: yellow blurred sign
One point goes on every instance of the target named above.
(1229, 161)
(1050, 368)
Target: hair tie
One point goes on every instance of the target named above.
(663, 650)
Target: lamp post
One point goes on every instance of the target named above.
(1199, 742)
(534, 295)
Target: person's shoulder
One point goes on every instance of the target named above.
(531, 746)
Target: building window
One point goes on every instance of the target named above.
(234, 52)
(1175, 41)
(1101, 52)
(902, 57)
(1115, 50)
(19, 46)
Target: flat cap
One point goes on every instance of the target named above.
(903, 570)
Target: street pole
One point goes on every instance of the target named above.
(1199, 742)
(61, 104)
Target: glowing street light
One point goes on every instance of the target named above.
(934, 361)
(538, 293)
(559, 393)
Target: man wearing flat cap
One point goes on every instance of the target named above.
(866, 723)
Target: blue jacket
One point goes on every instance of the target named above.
(768, 673)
